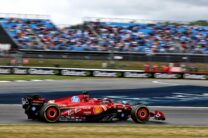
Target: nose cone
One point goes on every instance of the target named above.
(159, 115)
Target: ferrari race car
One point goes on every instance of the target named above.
(83, 108)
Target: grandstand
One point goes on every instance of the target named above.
(42, 34)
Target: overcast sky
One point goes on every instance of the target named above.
(73, 11)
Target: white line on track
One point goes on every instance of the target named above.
(37, 80)
(4, 81)
(164, 83)
(49, 80)
(20, 81)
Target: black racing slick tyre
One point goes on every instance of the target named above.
(50, 113)
(140, 114)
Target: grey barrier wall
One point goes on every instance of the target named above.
(21, 70)
(128, 56)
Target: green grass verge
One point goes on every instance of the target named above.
(104, 131)
(69, 63)
(38, 77)
(50, 77)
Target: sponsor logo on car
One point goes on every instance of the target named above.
(97, 110)
(77, 110)
(87, 112)
(86, 107)
(75, 99)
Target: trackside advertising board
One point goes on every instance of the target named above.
(83, 72)
(168, 75)
(20, 71)
(137, 75)
(5, 70)
(41, 71)
(114, 74)
(71, 72)
(195, 76)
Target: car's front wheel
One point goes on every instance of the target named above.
(140, 114)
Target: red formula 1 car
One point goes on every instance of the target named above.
(84, 108)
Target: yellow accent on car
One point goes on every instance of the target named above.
(97, 110)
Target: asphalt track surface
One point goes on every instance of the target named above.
(165, 93)
(13, 114)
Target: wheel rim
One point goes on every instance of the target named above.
(143, 114)
(52, 113)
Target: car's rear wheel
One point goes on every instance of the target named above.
(140, 114)
(50, 113)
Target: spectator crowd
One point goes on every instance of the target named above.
(103, 36)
